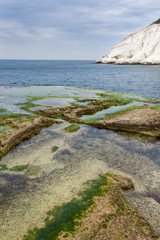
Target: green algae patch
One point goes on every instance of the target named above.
(92, 120)
(3, 167)
(100, 211)
(156, 107)
(36, 98)
(55, 148)
(19, 168)
(27, 106)
(108, 115)
(18, 128)
(126, 97)
(65, 218)
(72, 128)
(2, 110)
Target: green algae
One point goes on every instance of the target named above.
(28, 105)
(65, 218)
(108, 115)
(72, 128)
(92, 120)
(126, 97)
(155, 107)
(55, 148)
(15, 116)
(126, 110)
(36, 98)
(17, 168)
(2, 110)
(3, 167)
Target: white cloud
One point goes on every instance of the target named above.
(47, 33)
(78, 21)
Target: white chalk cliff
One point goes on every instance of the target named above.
(141, 47)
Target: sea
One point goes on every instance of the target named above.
(137, 79)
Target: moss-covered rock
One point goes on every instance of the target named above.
(100, 211)
(145, 121)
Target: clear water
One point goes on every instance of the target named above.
(55, 177)
(143, 80)
(52, 178)
(111, 110)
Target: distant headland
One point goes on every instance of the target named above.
(141, 47)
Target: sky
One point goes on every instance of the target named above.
(69, 29)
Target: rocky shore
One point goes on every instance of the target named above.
(57, 176)
(100, 212)
(145, 120)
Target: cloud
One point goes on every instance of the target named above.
(73, 20)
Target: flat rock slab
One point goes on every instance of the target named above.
(146, 121)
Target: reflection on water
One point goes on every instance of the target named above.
(111, 110)
(55, 102)
(55, 177)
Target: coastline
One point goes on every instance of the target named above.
(39, 161)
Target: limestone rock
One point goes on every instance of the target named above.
(145, 121)
(141, 47)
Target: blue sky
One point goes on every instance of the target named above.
(69, 29)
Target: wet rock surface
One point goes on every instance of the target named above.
(81, 156)
(54, 177)
(25, 130)
(145, 121)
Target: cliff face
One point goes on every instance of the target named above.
(141, 47)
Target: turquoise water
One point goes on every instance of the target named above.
(142, 80)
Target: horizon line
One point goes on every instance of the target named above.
(40, 59)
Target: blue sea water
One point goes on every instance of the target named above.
(138, 79)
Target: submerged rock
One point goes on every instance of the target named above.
(141, 47)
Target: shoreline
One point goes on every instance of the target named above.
(63, 150)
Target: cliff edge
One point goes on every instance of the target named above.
(141, 47)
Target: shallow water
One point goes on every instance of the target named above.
(53, 178)
(56, 177)
(12, 99)
(55, 102)
(111, 110)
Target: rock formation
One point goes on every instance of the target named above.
(141, 47)
(145, 121)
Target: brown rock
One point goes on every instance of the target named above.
(145, 121)
(26, 130)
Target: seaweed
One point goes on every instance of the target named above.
(66, 217)
(72, 128)
(55, 148)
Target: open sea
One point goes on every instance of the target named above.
(138, 79)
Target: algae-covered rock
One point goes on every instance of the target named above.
(25, 131)
(100, 211)
(145, 121)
